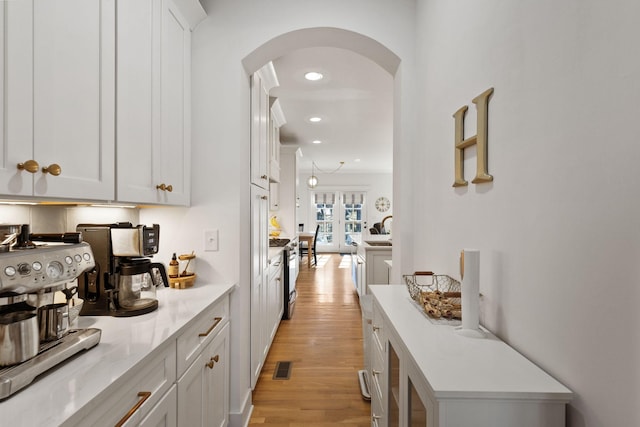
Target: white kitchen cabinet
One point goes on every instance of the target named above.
(58, 99)
(165, 413)
(203, 369)
(153, 107)
(132, 397)
(259, 275)
(432, 376)
(372, 267)
(262, 81)
(275, 298)
(276, 120)
(274, 196)
(287, 189)
(259, 131)
(203, 398)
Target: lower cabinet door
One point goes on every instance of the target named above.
(203, 399)
(165, 413)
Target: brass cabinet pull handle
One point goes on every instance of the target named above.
(215, 323)
(143, 395)
(165, 187)
(30, 166)
(376, 328)
(264, 197)
(212, 361)
(264, 177)
(54, 169)
(376, 372)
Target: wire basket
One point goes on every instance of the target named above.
(438, 294)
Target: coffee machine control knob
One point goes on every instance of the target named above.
(24, 268)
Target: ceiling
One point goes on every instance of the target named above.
(354, 100)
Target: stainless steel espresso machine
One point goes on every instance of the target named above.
(124, 280)
(35, 330)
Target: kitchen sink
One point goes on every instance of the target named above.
(378, 242)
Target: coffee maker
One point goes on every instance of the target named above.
(124, 280)
(36, 328)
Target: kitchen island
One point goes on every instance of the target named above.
(98, 379)
(369, 263)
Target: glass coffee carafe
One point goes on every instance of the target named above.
(137, 284)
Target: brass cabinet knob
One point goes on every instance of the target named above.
(165, 187)
(212, 361)
(30, 166)
(54, 169)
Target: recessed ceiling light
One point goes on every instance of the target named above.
(356, 160)
(317, 141)
(313, 76)
(315, 119)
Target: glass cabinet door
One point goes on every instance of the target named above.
(393, 391)
(417, 410)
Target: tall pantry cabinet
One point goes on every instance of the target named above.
(58, 86)
(261, 83)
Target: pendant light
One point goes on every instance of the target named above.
(312, 182)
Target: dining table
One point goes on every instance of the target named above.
(307, 237)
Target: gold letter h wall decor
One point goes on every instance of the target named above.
(479, 140)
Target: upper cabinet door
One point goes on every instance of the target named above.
(59, 93)
(153, 134)
(176, 112)
(259, 132)
(138, 100)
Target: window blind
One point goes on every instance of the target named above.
(353, 198)
(326, 198)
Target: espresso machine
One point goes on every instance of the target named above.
(124, 280)
(35, 330)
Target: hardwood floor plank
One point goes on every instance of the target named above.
(324, 341)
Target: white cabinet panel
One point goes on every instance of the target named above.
(59, 95)
(154, 149)
(165, 413)
(202, 391)
(259, 132)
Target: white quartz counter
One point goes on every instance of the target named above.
(125, 342)
(460, 367)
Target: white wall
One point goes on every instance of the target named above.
(559, 228)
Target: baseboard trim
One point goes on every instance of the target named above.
(242, 418)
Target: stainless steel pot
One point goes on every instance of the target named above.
(19, 339)
(53, 321)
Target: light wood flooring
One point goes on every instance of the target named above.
(324, 341)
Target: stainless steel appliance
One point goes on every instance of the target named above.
(35, 332)
(290, 257)
(124, 279)
(290, 275)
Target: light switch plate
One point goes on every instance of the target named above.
(210, 240)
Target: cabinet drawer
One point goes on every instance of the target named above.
(130, 400)
(377, 373)
(377, 326)
(200, 332)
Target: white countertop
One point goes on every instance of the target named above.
(459, 367)
(56, 395)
